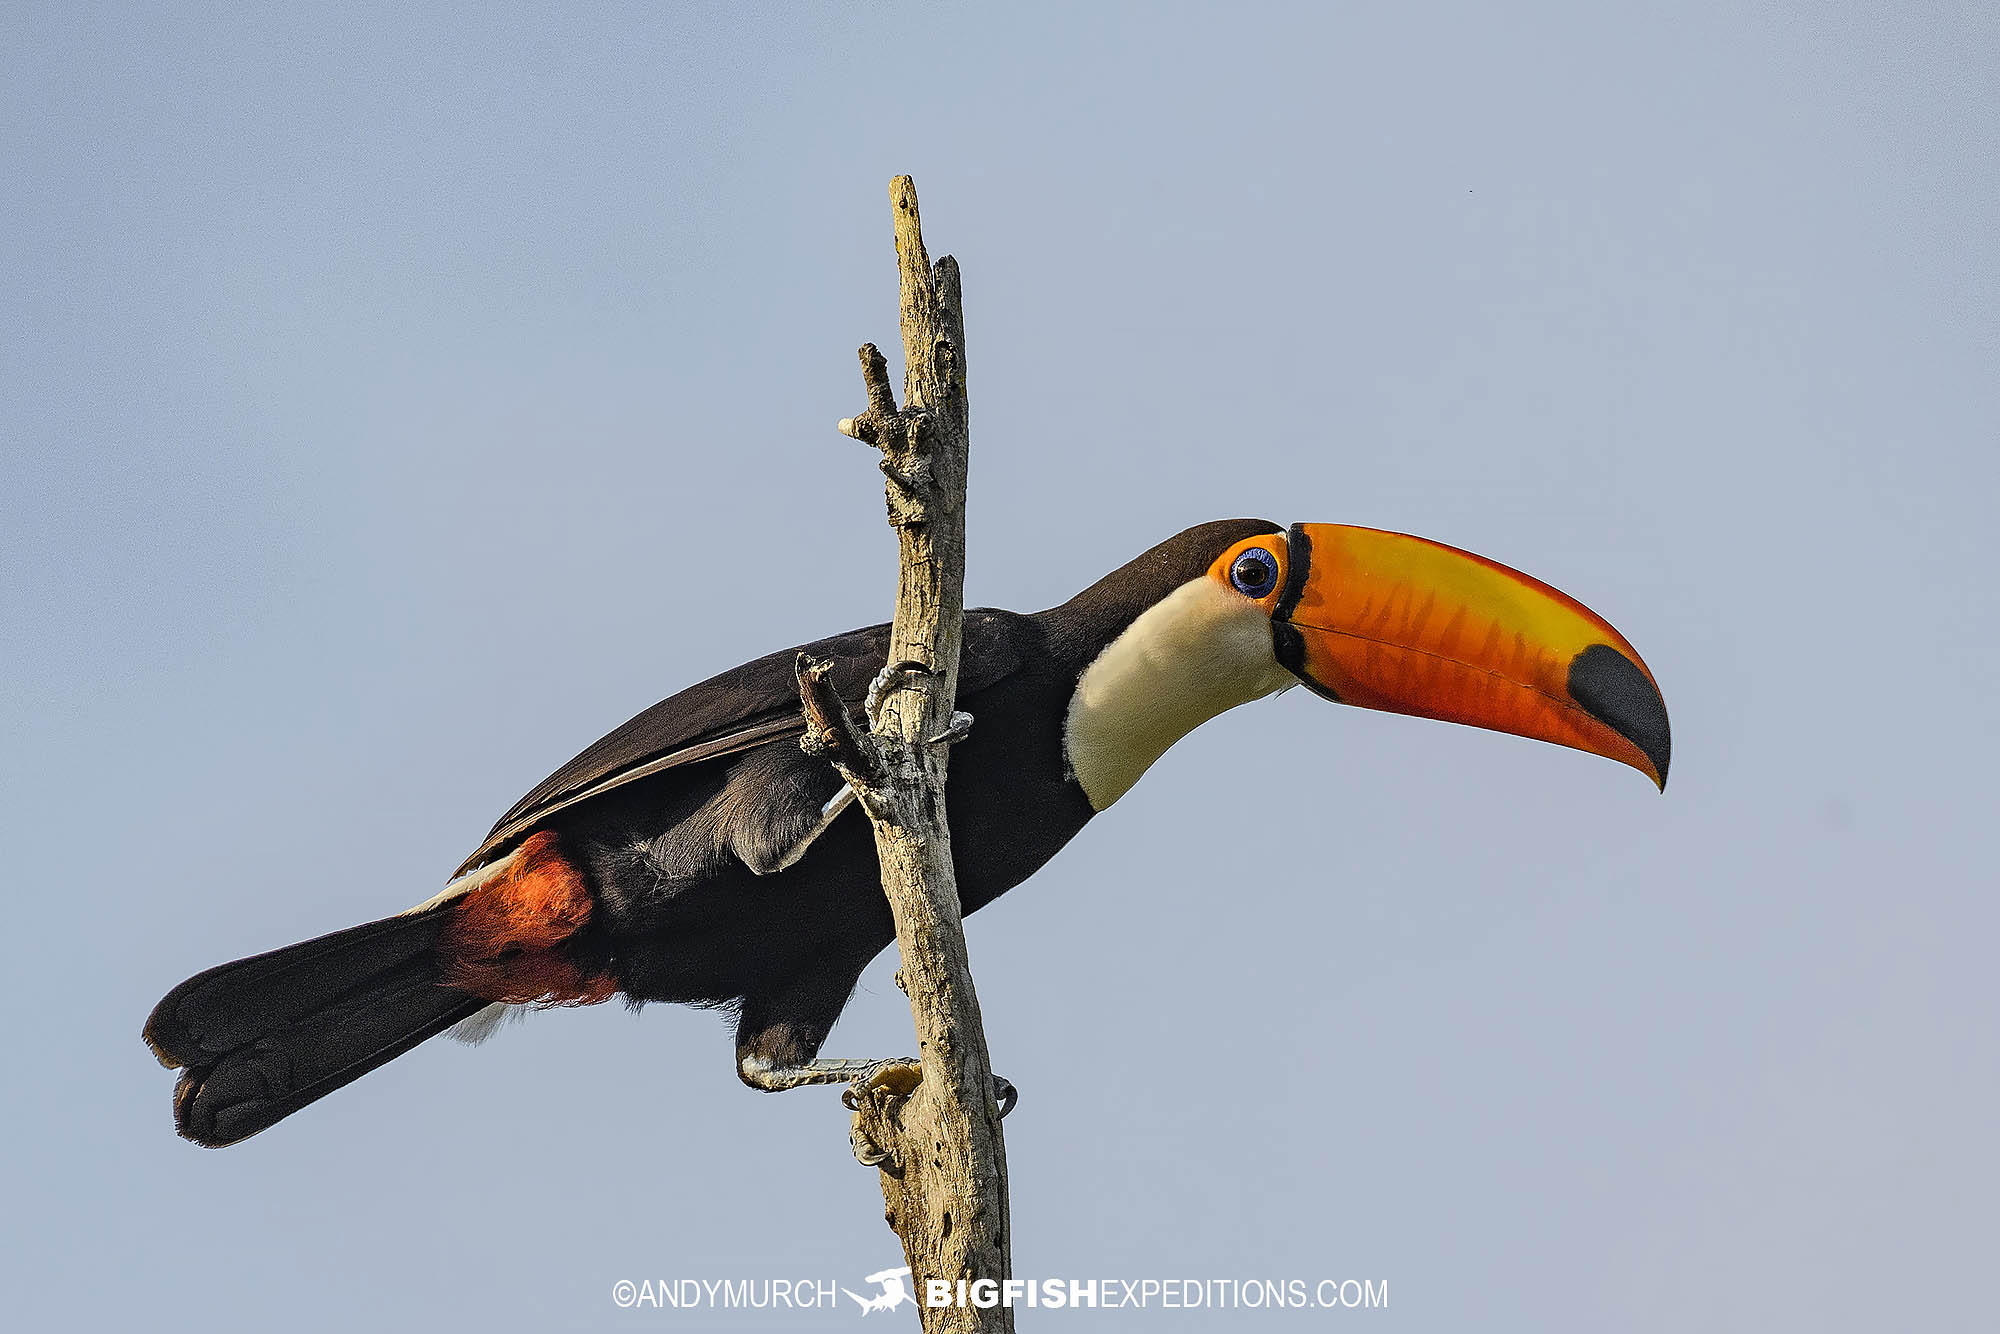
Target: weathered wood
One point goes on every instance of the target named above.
(944, 1166)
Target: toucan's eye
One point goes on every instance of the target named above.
(1255, 573)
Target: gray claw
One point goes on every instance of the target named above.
(959, 730)
(1005, 1094)
(866, 1151)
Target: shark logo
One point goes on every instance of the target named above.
(893, 1293)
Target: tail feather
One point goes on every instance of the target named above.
(257, 1039)
(217, 1011)
(262, 1037)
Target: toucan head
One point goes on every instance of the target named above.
(1360, 616)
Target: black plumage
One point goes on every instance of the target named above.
(669, 821)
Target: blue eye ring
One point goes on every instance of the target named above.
(1254, 572)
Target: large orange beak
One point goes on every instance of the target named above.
(1388, 621)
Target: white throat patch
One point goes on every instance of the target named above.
(1198, 651)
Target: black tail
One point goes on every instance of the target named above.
(260, 1038)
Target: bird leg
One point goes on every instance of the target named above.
(835, 804)
(899, 1075)
(762, 1073)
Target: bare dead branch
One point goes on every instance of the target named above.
(937, 1140)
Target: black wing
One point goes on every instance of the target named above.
(739, 709)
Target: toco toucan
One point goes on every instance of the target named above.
(698, 854)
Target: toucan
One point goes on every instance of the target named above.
(699, 854)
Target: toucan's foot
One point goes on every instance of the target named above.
(902, 1077)
(898, 1075)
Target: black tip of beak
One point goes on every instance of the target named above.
(1613, 690)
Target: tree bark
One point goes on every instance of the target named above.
(944, 1169)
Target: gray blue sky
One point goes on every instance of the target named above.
(397, 397)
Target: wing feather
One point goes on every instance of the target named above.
(737, 710)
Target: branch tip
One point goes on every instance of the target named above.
(875, 377)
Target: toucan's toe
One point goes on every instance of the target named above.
(1005, 1094)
